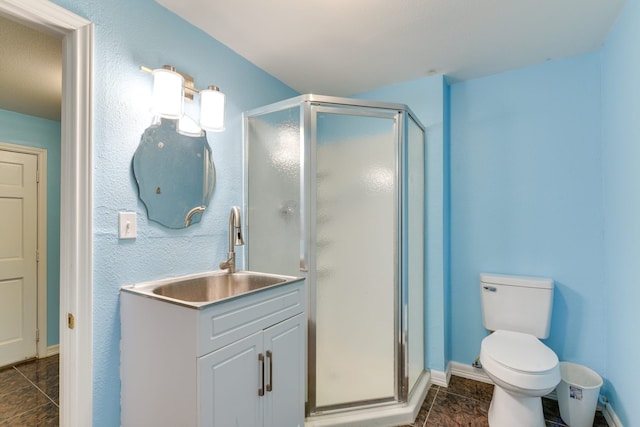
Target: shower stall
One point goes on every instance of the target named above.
(335, 192)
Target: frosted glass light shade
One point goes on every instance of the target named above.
(212, 109)
(187, 126)
(168, 92)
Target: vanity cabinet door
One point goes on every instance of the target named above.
(284, 355)
(229, 380)
(256, 381)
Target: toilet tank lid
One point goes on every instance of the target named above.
(523, 281)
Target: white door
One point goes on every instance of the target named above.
(18, 263)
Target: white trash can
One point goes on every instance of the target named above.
(578, 394)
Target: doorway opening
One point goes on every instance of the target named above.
(76, 33)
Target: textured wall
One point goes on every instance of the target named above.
(32, 131)
(129, 34)
(526, 186)
(621, 155)
(526, 198)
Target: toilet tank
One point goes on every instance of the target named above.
(517, 303)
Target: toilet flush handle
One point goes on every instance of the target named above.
(490, 288)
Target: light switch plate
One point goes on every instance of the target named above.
(128, 228)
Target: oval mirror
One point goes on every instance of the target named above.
(175, 174)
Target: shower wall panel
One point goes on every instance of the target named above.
(272, 160)
(414, 249)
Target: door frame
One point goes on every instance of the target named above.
(76, 220)
(42, 349)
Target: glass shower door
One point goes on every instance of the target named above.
(273, 172)
(353, 256)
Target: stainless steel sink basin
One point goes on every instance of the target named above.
(217, 287)
(201, 290)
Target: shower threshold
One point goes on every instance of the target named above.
(378, 416)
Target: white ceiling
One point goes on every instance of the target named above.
(343, 47)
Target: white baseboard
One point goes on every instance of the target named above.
(611, 417)
(469, 372)
(53, 350)
(441, 378)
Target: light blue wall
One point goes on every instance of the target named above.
(621, 158)
(32, 131)
(526, 198)
(130, 33)
(526, 187)
(426, 98)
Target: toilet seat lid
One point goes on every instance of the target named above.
(519, 352)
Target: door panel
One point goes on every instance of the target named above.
(356, 242)
(284, 350)
(229, 381)
(18, 263)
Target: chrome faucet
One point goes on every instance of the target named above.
(235, 239)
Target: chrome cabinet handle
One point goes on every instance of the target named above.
(270, 357)
(261, 360)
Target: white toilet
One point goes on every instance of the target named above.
(518, 311)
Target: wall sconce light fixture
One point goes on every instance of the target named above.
(171, 87)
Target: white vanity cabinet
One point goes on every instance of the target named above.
(233, 363)
(256, 381)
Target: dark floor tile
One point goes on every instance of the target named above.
(470, 388)
(46, 415)
(426, 407)
(21, 401)
(552, 411)
(599, 420)
(454, 410)
(44, 373)
(11, 381)
(40, 368)
(466, 403)
(552, 415)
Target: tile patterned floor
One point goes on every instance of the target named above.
(29, 398)
(29, 394)
(466, 403)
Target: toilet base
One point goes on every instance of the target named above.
(508, 410)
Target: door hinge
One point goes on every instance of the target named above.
(37, 335)
(37, 256)
(71, 321)
(38, 175)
